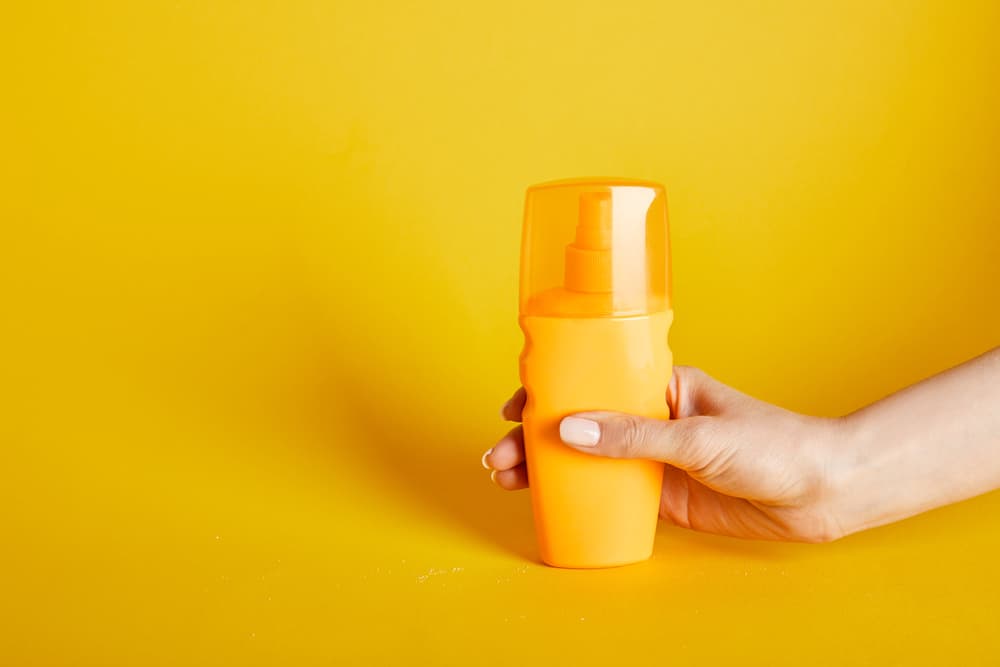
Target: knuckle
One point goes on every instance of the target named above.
(692, 443)
(683, 370)
(690, 373)
(631, 435)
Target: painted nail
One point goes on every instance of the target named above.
(503, 410)
(485, 464)
(579, 431)
(493, 476)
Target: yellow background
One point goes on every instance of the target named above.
(258, 269)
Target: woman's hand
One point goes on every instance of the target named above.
(735, 465)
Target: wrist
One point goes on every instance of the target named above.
(846, 495)
(832, 442)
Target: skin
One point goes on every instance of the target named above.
(741, 467)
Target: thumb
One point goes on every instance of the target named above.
(683, 443)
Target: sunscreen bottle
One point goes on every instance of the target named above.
(595, 311)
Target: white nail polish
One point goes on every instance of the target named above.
(485, 464)
(493, 476)
(580, 432)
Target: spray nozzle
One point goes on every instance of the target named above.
(588, 258)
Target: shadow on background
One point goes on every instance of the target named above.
(692, 544)
(423, 455)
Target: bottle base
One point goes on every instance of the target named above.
(604, 565)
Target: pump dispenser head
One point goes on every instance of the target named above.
(588, 258)
(595, 247)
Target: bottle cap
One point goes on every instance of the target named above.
(595, 247)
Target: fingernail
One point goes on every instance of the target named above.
(579, 431)
(503, 410)
(487, 453)
(493, 476)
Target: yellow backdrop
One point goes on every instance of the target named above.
(258, 269)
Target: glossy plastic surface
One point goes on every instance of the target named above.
(595, 316)
(591, 511)
(604, 239)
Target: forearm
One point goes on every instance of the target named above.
(931, 444)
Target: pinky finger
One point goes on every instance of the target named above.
(511, 479)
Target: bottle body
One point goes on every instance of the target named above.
(592, 511)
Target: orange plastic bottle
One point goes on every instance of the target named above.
(595, 311)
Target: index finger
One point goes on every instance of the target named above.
(511, 411)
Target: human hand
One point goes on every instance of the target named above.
(734, 465)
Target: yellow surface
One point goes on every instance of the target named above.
(258, 272)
